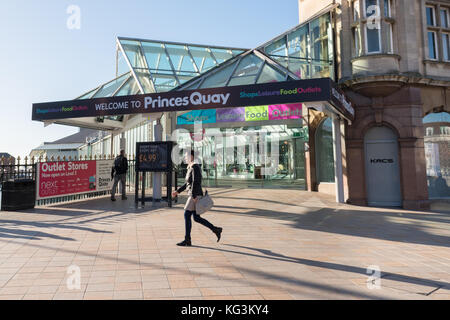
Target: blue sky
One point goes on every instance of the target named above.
(42, 60)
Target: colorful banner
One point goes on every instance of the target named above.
(285, 111)
(242, 114)
(203, 116)
(72, 177)
(230, 114)
(257, 113)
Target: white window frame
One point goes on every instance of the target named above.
(445, 130)
(430, 131)
(447, 17)
(389, 3)
(356, 9)
(448, 46)
(365, 30)
(390, 32)
(367, 43)
(434, 16)
(436, 49)
(356, 41)
(364, 8)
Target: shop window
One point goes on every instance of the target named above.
(324, 152)
(437, 150)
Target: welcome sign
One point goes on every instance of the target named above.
(276, 93)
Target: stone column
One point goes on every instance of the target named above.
(337, 151)
(356, 176)
(413, 174)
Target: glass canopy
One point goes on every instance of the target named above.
(120, 86)
(161, 66)
(147, 66)
(249, 68)
(306, 50)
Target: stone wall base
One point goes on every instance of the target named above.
(357, 202)
(327, 187)
(416, 204)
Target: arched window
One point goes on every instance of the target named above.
(437, 154)
(324, 152)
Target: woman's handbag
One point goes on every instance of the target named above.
(204, 203)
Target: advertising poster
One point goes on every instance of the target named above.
(72, 177)
(153, 156)
(104, 181)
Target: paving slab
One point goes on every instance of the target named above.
(276, 244)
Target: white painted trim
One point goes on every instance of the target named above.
(436, 49)
(448, 46)
(391, 37)
(366, 42)
(434, 16)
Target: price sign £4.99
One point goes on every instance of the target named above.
(153, 156)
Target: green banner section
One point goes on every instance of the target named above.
(256, 113)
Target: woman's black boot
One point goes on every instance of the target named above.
(185, 243)
(218, 232)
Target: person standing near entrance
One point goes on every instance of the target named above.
(119, 173)
(194, 185)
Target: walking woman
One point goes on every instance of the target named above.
(194, 186)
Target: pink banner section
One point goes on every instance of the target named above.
(285, 111)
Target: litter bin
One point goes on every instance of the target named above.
(18, 194)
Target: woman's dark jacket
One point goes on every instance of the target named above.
(193, 181)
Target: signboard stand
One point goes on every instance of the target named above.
(153, 157)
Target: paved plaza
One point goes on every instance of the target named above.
(276, 244)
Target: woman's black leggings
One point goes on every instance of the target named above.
(197, 218)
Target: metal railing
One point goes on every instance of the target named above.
(12, 169)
